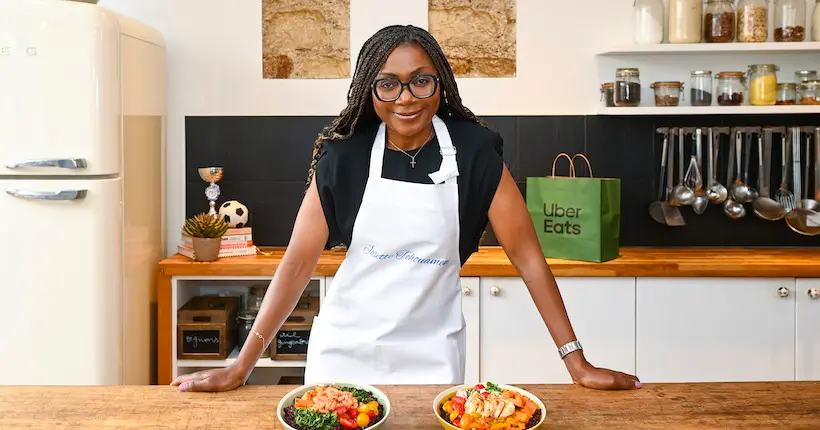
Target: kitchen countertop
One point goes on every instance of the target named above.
(656, 406)
(492, 261)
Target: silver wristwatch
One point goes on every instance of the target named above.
(568, 348)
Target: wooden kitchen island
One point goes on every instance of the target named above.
(789, 405)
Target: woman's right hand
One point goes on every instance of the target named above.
(222, 379)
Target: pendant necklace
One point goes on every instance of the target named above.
(413, 157)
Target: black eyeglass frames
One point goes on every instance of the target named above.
(420, 86)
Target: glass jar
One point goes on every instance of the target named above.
(700, 88)
(648, 23)
(607, 94)
(789, 20)
(815, 22)
(627, 87)
(805, 75)
(763, 84)
(255, 297)
(810, 92)
(719, 21)
(667, 93)
(730, 88)
(752, 21)
(786, 93)
(685, 21)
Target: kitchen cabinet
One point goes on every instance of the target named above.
(470, 305)
(716, 329)
(807, 363)
(516, 346)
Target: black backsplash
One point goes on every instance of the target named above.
(266, 161)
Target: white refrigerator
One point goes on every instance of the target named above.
(82, 117)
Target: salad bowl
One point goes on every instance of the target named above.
(488, 405)
(333, 406)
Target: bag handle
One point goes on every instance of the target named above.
(589, 166)
(571, 167)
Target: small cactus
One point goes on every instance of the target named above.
(204, 225)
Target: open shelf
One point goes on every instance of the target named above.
(711, 110)
(714, 48)
(263, 362)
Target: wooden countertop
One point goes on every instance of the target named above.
(656, 406)
(492, 261)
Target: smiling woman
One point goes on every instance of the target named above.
(405, 172)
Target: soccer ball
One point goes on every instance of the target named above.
(234, 213)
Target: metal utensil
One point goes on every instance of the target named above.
(717, 193)
(731, 208)
(764, 206)
(809, 203)
(681, 195)
(701, 200)
(656, 207)
(738, 190)
(798, 218)
(783, 196)
(661, 210)
(753, 193)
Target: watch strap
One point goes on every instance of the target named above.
(568, 348)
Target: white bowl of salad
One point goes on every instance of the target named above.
(334, 406)
(489, 405)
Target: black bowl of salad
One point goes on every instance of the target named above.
(333, 406)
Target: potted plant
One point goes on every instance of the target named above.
(206, 232)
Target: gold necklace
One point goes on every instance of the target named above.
(413, 157)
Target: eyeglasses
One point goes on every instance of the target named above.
(420, 86)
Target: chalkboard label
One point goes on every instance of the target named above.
(200, 341)
(292, 342)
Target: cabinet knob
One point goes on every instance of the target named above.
(466, 290)
(495, 290)
(814, 293)
(783, 291)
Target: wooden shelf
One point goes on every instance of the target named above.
(263, 362)
(711, 110)
(714, 48)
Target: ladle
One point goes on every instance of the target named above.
(717, 193)
(660, 210)
(764, 206)
(701, 200)
(731, 208)
(809, 203)
(753, 194)
(800, 219)
(739, 191)
(681, 195)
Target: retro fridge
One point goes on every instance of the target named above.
(82, 114)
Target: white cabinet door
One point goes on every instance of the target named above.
(715, 329)
(808, 329)
(517, 348)
(470, 306)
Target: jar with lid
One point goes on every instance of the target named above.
(719, 21)
(763, 84)
(648, 23)
(731, 87)
(607, 96)
(245, 320)
(627, 87)
(752, 21)
(786, 93)
(685, 21)
(810, 92)
(700, 88)
(790, 20)
(805, 75)
(255, 297)
(815, 22)
(667, 93)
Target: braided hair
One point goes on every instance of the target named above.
(371, 59)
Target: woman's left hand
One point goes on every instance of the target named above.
(597, 378)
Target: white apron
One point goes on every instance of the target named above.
(392, 314)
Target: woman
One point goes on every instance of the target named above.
(407, 178)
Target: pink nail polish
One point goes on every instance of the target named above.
(183, 387)
(638, 385)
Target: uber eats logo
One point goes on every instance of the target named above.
(561, 220)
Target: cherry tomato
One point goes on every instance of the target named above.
(458, 406)
(373, 405)
(341, 410)
(363, 420)
(347, 422)
(486, 394)
(479, 386)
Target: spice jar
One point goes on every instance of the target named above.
(700, 88)
(805, 75)
(752, 21)
(810, 92)
(627, 87)
(649, 16)
(719, 21)
(685, 21)
(730, 88)
(790, 20)
(763, 84)
(786, 93)
(667, 93)
(607, 96)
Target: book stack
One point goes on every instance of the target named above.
(236, 242)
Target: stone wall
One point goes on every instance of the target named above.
(305, 39)
(478, 36)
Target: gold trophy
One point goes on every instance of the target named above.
(212, 175)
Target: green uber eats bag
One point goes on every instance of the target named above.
(576, 218)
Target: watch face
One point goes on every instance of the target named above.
(212, 192)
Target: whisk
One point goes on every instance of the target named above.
(783, 196)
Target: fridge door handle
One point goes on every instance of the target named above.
(65, 163)
(47, 195)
